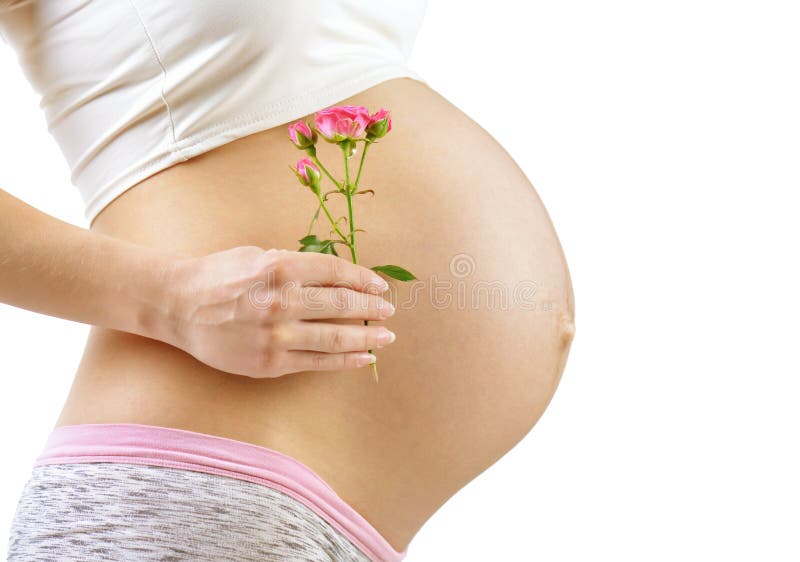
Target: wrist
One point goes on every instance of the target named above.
(157, 314)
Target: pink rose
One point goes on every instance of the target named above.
(340, 123)
(301, 134)
(379, 124)
(307, 172)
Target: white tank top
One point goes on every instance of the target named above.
(130, 87)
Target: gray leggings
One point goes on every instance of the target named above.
(111, 511)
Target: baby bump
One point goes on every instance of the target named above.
(482, 334)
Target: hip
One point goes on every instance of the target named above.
(126, 492)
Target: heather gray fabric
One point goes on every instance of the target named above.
(111, 511)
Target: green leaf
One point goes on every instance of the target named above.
(395, 272)
(329, 249)
(311, 243)
(309, 248)
(310, 239)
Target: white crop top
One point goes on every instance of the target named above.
(130, 87)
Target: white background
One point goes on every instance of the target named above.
(664, 138)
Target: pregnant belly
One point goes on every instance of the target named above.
(482, 337)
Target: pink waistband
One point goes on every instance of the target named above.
(178, 448)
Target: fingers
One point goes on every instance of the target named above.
(316, 361)
(327, 270)
(317, 303)
(335, 338)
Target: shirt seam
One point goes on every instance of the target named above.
(160, 63)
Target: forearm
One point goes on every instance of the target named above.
(55, 268)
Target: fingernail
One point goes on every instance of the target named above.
(386, 309)
(385, 338)
(364, 359)
(380, 284)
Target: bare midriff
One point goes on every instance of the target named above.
(482, 336)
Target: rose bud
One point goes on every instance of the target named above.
(302, 136)
(307, 173)
(380, 123)
(342, 123)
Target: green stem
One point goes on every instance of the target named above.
(333, 222)
(352, 228)
(349, 194)
(325, 170)
(350, 197)
(361, 164)
(313, 220)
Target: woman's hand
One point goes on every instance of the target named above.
(247, 311)
(266, 313)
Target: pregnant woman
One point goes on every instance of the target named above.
(202, 425)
